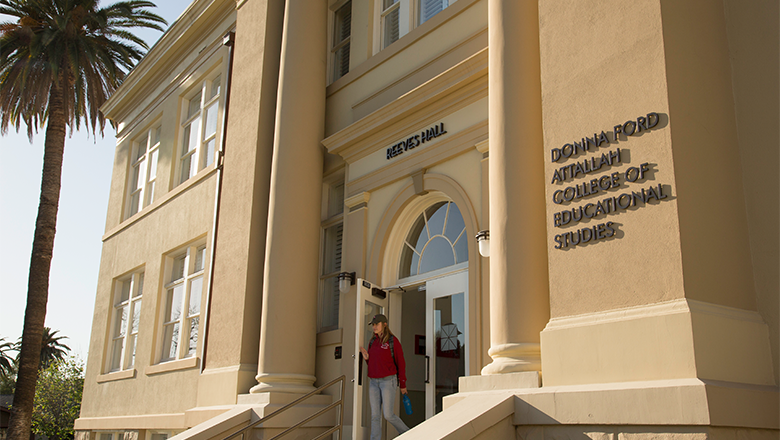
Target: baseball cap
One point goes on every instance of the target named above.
(377, 319)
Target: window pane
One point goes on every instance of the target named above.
(136, 181)
(332, 249)
(329, 304)
(215, 86)
(173, 303)
(139, 285)
(191, 136)
(196, 291)
(336, 199)
(136, 317)
(343, 26)
(429, 8)
(140, 148)
(211, 121)
(131, 349)
(209, 153)
(341, 61)
(387, 3)
(193, 338)
(436, 219)
(150, 193)
(200, 256)
(116, 354)
(125, 292)
(341, 33)
(462, 249)
(156, 136)
(391, 27)
(194, 106)
(120, 322)
(153, 164)
(177, 272)
(170, 341)
(438, 254)
(135, 202)
(455, 224)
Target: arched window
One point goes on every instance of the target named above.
(435, 241)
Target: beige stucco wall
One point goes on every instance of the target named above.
(753, 36)
(671, 294)
(155, 394)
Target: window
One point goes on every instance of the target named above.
(181, 306)
(125, 317)
(145, 152)
(199, 129)
(396, 16)
(332, 237)
(342, 29)
(435, 241)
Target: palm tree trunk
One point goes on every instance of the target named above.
(40, 263)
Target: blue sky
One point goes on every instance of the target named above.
(81, 221)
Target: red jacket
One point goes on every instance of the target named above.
(380, 361)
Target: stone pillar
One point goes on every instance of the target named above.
(289, 316)
(519, 304)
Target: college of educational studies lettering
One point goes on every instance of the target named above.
(576, 175)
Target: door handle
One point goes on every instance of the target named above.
(427, 369)
(360, 370)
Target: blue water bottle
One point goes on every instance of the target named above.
(407, 404)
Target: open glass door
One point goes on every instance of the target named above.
(370, 301)
(447, 352)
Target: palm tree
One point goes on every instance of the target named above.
(6, 361)
(59, 61)
(51, 348)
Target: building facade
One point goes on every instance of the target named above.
(286, 170)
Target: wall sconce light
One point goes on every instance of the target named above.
(483, 238)
(346, 279)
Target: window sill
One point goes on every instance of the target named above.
(116, 375)
(181, 364)
(203, 174)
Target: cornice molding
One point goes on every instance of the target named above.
(382, 125)
(182, 38)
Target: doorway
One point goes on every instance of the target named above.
(434, 336)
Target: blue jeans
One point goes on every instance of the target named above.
(381, 393)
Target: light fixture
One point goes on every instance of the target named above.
(346, 279)
(483, 238)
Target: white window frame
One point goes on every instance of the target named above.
(193, 269)
(198, 155)
(123, 334)
(408, 18)
(145, 153)
(335, 44)
(333, 216)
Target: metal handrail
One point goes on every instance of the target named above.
(339, 403)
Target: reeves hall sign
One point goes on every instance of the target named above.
(416, 140)
(595, 185)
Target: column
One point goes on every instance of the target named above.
(236, 298)
(289, 314)
(519, 304)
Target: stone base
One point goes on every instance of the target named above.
(685, 409)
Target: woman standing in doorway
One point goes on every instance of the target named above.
(386, 368)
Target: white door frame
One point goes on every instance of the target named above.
(438, 288)
(366, 292)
